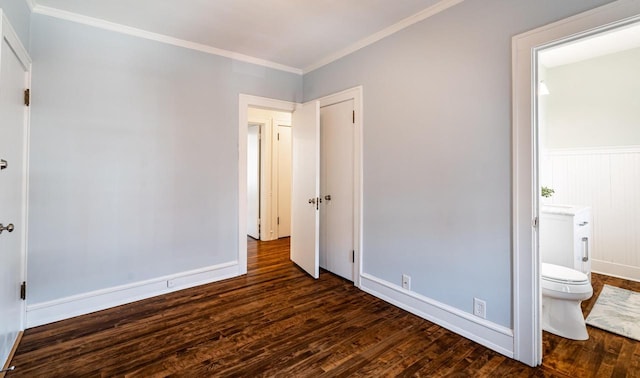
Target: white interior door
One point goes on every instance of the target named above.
(305, 187)
(284, 181)
(13, 133)
(337, 182)
(253, 181)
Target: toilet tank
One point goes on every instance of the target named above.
(565, 236)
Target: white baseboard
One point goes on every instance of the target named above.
(484, 332)
(627, 272)
(81, 304)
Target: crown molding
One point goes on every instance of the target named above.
(112, 26)
(405, 23)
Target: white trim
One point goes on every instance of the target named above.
(118, 28)
(354, 94)
(9, 35)
(609, 150)
(438, 7)
(608, 268)
(526, 260)
(244, 102)
(482, 331)
(64, 308)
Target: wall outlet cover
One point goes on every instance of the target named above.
(479, 308)
(406, 281)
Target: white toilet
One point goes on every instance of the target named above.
(563, 289)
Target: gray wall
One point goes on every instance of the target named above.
(594, 103)
(18, 13)
(437, 148)
(134, 162)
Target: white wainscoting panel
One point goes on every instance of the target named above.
(608, 180)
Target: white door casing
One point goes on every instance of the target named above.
(284, 180)
(305, 187)
(253, 181)
(526, 258)
(337, 129)
(15, 67)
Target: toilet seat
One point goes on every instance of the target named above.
(562, 282)
(562, 274)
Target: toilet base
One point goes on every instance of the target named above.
(563, 318)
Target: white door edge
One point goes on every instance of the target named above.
(526, 259)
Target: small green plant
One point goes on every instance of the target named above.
(547, 192)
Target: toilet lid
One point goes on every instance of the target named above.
(563, 274)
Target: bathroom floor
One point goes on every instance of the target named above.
(603, 354)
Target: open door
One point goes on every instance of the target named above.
(14, 71)
(305, 188)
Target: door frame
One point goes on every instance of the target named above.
(246, 101)
(527, 297)
(11, 37)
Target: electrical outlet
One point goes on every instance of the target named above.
(479, 308)
(406, 281)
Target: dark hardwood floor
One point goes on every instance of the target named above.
(276, 321)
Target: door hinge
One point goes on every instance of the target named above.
(353, 113)
(278, 220)
(534, 223)
(23, 291)
(27, 97)
(278, 136)
(353, 256)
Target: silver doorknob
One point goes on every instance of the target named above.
(3, 164)
(327, 197)
(9, 227)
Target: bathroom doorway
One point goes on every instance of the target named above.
(528, 346)
(589, 146)
(588, 160)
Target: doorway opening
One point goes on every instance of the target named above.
(268, 174)
(588, 159)
(526, 185)
(273, 196)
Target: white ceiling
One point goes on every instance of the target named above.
(601, 44)
(296, 33)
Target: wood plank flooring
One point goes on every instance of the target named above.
(276, 321)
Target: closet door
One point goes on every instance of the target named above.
(337, 130)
